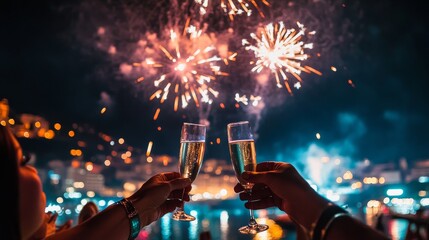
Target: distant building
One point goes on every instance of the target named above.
(391, 177)
(215, 181)
(420, 169)
(81, 179)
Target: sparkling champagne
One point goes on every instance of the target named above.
(190, 159)
(243, 157)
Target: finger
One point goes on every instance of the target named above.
(259, 186)
(266, 166)
(177, 194)
(179, 183)
(258, 177)
(169, 206)
(238, 188)
(244, 196)
(47, 216)
(186, 189)
(53, 217)
(66, 225)
(262, 204)
(165, 176)
(171, 175)
(256, 195)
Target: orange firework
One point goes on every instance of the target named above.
(186, 67)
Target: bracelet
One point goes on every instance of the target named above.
(133, 216)
(329, 214)
(325, 230)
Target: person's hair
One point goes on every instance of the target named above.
(10, 227)
(87, 212)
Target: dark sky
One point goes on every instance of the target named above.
(50, 66)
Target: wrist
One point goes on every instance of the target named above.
(132, 216)
(324, 221)
(313, 209)
(144, 212)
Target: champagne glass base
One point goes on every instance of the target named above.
(182, 216)
(253, 229)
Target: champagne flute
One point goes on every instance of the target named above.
(243, 158)
(192, 146)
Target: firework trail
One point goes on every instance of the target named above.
(281, 51)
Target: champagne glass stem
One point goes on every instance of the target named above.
(182, 206)
(252, 221)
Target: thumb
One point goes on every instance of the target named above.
(257, 177)
(179, 183)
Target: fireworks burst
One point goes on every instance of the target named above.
(236, 7)
(186, 66)
(281, 51)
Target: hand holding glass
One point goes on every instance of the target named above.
(192, 146)
(243, 158)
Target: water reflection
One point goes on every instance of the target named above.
(224, 216)
(274, 232)
(221, 222)
(177, 229)
(193, 226)
(398, 229)
(165, 227)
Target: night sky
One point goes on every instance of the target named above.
(51, 65)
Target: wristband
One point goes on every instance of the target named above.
(318, 229)
(133, 216)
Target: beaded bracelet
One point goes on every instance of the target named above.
(328, 215)
(133, 216)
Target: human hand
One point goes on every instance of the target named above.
(50, 219)
(47, 228)
(68, 224)
(159, 195)
(279, 184)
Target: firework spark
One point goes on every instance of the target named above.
(236, 7)
(243, 99)
(281, 51)
(186, 69)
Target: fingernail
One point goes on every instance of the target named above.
(245, 175)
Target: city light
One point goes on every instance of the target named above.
(424, 202)
(348, 175)
(57, 126)
(423, 179)
(393, 192)
(71, 133)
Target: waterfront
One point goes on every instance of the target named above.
(223, 222)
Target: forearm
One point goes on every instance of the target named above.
(112, 223)
(347, 227)
(307, 211)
